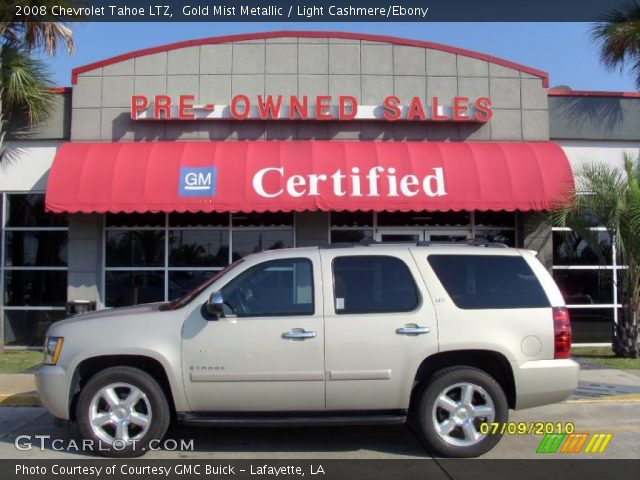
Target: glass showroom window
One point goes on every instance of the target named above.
(34, 269)
(351, 227)
(159, 257)
(587, 284)
(355, 227)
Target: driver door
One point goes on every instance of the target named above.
(267, 351)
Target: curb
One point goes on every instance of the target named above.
(630, 397)
(26, 399)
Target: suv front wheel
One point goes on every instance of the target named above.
(122, 409)
(454, 404)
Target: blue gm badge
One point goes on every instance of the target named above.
(198, 181)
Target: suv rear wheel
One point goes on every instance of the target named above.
(454, 404)
(122, 409)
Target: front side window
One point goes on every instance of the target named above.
(273, 288)
(373, 284)
(488, 281)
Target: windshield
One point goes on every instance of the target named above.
(182, 301)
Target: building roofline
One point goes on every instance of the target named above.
(591, 93)
(310, 34)
(60, 90)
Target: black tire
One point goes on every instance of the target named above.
(153, 405)
(446, 380)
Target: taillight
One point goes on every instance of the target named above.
(561, 332)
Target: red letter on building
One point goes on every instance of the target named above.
(297, 109)
(483, 109)
(342, 110)
(416, 110)
(162, 103)
(459, 107)
(139, 103)
(323, 109)
(434, 111)
(268, 109)
(391, 109)
(184, 105)
(234, 107)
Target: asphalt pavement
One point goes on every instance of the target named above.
(606, 402)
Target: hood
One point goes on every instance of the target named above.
(112, 313)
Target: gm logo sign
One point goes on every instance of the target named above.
(198, 181)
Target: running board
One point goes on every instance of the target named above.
(293, 419)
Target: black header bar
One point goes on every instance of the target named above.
(322, 11)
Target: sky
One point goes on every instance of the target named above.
(565, 50)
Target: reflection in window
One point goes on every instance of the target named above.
(351, 236)
(181, 282)
(135, 248)
(135, 219)
(35, 248)
(591, 325)
(508, 237)
(351, 219)
(410, 219)
(174, 252)
(40, 288)
(495, 219)
(26, 328)
(265, 219)
(132, 288)
(198, 248)
(570, 249)
(585, 286)
(252, 241)
(199, 219)
(28, 211)
(34, 258)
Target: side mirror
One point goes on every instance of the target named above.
(214, 306)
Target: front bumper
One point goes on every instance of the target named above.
(53, 388)
(542, 382)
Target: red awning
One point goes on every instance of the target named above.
(307, 175)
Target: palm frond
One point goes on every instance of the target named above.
(617, 36)
(26, 85)
(48, 34)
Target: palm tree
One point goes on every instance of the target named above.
(610, 196)
(618, 36)
(24, 88)
(24, 83)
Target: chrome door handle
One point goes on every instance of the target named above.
(299, 334)
(412, 330)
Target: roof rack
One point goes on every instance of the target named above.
(472, 242)
(341, 245)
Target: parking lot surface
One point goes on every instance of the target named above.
(619, 418)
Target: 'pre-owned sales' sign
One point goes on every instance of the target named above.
(321, 107)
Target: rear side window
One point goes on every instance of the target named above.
(373, 284)
(489, 281)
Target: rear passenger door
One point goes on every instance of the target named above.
(379, 324)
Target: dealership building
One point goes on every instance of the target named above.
(161, 166)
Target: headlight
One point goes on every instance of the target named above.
(52, 347)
